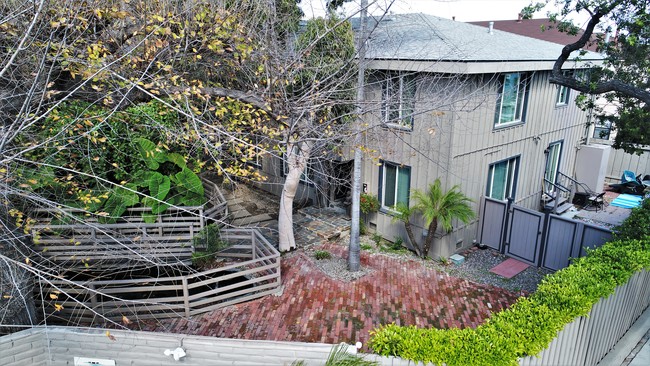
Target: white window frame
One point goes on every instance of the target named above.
(520, 101)
(510, 184)
(394, 194)
(563, 95)
(394, 99)
(552, 167)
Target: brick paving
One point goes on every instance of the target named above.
(316, 308)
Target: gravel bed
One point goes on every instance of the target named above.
(337, 268)
(477, 267)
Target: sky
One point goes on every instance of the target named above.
(463, 10)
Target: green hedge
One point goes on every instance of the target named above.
(529, 325)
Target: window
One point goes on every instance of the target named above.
(398, 99)
(502, 179)
(602, 130)
(553, 153)
(394, 186)
(562, 95)
(512, 100)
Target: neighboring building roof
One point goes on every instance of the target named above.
(542, 29)
(422, 42)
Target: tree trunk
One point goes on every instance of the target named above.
(297, 157)
(414, 244)
(354, 249)
(428, 241)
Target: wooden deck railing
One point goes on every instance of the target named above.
(76, 238)
(253, 272)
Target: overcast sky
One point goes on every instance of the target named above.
(463, 10)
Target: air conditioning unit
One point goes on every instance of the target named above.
(591, 165)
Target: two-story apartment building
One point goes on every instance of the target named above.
(469, 105)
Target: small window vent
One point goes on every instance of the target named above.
(459, 244)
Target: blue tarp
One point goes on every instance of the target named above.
(627, 201)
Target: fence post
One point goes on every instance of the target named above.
(506, 226)
(253, 244)
(186, 297)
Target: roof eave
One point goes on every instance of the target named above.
(474, 67)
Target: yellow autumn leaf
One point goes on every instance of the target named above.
(110, 336)
(53, 296)
(58, 307)
(125, 320)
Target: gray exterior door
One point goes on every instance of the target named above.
(524, 237)
(493, 217)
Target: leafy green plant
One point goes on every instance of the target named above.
(366, 247)
(368, 203)
(207, 243)
(168, 182)
(444, 261)
(637, 225)
(362, 227)
(441, 207)
(398, 243)
(322, 254)
(402, 212)
(340, 357)
(529, 325)
(376, 237)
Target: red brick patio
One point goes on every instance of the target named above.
(317, 308)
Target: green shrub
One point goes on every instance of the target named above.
(637, 225)
(368, 203)
(206, 243)
(366, 247)
(362, 227)
(397, 243)
(376, 237)
(322, 254)
(528, 326)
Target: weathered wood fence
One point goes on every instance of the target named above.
(255, 273)
(76, 238)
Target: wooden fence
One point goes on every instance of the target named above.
(76, 238)
(252, 271)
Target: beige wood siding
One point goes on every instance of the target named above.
(454, 139)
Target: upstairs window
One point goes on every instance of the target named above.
(562, 95)
(602, 130)
(398, 99)
(512, 100)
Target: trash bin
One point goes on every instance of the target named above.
(581, 198)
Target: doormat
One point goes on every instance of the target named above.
(509, 268)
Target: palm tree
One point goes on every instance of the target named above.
(438, 207)
(403, 213)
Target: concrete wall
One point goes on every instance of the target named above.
(54, 346)
(24, 348)
(454, 139)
